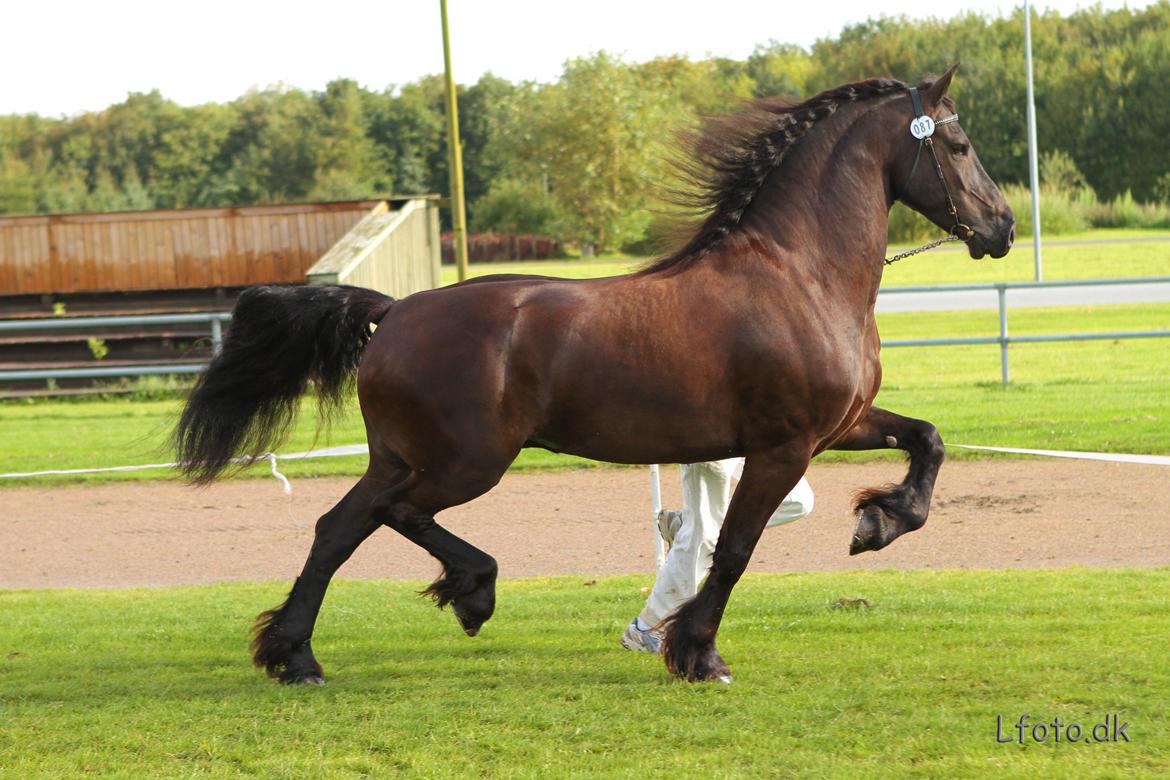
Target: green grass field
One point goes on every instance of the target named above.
(1101, 396)
(157, 683)
(1063, 259)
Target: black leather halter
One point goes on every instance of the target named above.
(959, 231)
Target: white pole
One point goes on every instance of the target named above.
(656, 505)
(1033, 165)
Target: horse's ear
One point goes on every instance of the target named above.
(938, 89)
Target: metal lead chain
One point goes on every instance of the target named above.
(923, 248)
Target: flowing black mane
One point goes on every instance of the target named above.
(730, 157)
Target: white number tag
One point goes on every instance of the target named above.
(922, 127)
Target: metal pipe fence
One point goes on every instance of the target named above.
(215, 321)
(1004, 339)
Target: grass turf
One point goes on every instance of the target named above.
(137, 683)
(1099, 396)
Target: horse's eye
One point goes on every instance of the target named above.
(959, 150)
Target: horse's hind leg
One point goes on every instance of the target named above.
(886, 513)
(281, 638)
(406, 502)
(468, 581)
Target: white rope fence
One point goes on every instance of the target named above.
(1110, 457)
(362, 449)
(271, 457)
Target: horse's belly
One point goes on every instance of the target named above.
(648, 447)
(634, 427)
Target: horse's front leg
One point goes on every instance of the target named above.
(688, 644)
(886, 513)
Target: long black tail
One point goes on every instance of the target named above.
(280, 339)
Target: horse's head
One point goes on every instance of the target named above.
(935, 166)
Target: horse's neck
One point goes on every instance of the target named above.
(826, 209)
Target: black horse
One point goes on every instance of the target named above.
(769, 306)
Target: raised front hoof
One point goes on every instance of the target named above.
(874, 530)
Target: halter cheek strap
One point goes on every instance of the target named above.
(960, 231)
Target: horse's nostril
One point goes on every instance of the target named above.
(1012, 235)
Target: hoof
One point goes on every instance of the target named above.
(857, 545)
(311, 680)
(469, 623)
(305, 679)
(874, 530)
(702, 665)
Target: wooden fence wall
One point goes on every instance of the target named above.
(395, 251)
(166, 250)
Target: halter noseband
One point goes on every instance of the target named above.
(923, 129)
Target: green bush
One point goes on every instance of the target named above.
(1162, 189)
(1125, 212)
(1061, 211)
(907, 226)
(1059, 171)
(514, 206)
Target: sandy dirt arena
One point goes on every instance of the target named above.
(987, 514)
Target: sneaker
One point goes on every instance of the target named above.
(636, 639)
(669, 521)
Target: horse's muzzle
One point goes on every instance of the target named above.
(997, 245)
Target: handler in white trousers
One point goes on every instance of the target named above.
(692, 534)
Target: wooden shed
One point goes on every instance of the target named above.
(182, 249)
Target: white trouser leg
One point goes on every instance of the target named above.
(795, 505)
(706, 493)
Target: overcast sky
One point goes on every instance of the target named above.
(66, 57)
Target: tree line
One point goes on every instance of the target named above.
(584, 158)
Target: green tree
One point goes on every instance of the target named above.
(408, 130)
(597, 134)
(185, 161)
(780, 70)
(348, 165)
(593, 134)
(270, 154)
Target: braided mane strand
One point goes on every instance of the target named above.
(731, 156)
